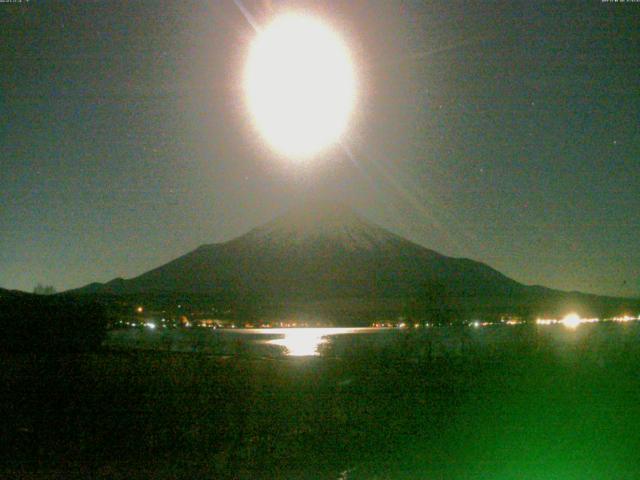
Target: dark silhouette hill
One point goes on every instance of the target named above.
(324, 252)
(50, 323)
(11, 294)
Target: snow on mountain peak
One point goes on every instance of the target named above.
(322, 221)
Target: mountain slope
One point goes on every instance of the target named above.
(314, 251)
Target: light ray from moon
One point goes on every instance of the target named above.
(247, 15)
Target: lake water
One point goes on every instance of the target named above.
(267, 342)
(431, 342)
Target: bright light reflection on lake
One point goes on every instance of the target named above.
(300, 342)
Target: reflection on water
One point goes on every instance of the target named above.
(299, 342)
(255, 341)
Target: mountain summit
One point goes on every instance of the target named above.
(321, 221)
(324, 253)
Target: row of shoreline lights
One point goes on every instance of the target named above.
(573, 320)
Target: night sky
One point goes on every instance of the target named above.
(506, 132)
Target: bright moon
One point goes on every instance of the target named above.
(300, 85)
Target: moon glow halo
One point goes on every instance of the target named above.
(300, 85)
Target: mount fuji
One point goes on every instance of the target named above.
(323, 255)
